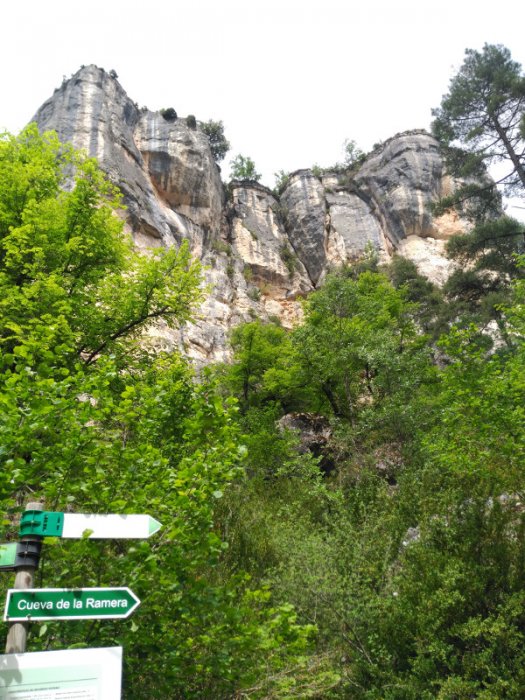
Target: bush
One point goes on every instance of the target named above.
(288, 258)
(282, 178)
(169, 114)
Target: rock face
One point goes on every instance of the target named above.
(313, 432)
(261, 252)
(171, 185)
(305, 209)
(401, 179)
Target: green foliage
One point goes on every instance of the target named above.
(359, 345)
(492, 245)
(282, 178)
(488, 263)
(416, 588)
(289, 259)
(243, 168)
(254, 294)
(191, 121)
(221, 247)
(169, 114)
(408, 559)
(432, 313)
(449, 590)
(219, 144)
(457, 579)
(258, 348)
(353, 155)
(247, 273)
(481, 405)
(93, 420)
(481, 114)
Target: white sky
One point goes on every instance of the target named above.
(291, 79)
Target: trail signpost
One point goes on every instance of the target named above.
(39, 604)
(94, 526)
(25, 604)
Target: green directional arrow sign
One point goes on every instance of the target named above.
(46, 523)
(35, 604)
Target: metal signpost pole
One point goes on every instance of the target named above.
(17, 634)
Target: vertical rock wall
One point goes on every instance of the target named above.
(261, 252)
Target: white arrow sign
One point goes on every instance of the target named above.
(109, 526)
(45, 523)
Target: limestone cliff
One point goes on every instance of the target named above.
(261, 253)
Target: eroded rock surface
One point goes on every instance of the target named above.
(402, 178)
(171, 185)
(304, 208)
(261, 252)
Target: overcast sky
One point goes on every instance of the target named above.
(290, 79)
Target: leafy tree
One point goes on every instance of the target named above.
(282, 179)
(219, 144)
(243, 168)
(481, 115)
(479, 124)
(416, 590)
(92, 418)
(432, 313)
(358, 342)
(268, 382)
(264, 368)
(353, 155)
(448, 619)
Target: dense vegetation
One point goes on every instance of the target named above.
(386, 564)
(93, 420)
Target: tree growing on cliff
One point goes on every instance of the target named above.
(219, 144)
(243, 168)
(478, 121)
(353, 155)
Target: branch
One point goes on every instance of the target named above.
(124, 330)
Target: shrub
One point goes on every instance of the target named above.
(169, 114)
(288, 258)
(221, 247)
(282, 178)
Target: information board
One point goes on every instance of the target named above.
(75, 674)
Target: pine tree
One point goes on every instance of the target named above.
(479, 119)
